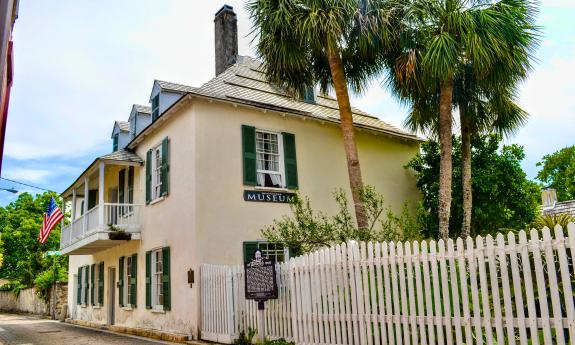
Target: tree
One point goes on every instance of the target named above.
(558, 171)
(503, 197)
(438, 39)
(333, 43)
(20, 223)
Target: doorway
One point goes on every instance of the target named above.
(111, 294)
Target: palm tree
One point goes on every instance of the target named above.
(438, 39)
(333, 43)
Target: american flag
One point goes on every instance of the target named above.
(51, 218)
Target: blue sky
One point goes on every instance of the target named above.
(80, 65)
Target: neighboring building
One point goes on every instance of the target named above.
(550, 205)
(8, 15)
(195, 177)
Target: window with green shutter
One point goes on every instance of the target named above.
(133, 280)
(121, 281)
(92, 284)
(101, 283)
(271, 250)
(155, 107)
(148, 280)
(249, 155)
(158, 171)
(148, 176)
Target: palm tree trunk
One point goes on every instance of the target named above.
(466, 171)
(347, 130)
(445, 164)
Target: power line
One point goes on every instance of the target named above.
(26, 184)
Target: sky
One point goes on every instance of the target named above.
(80, 65)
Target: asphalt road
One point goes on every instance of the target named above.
(28, 330)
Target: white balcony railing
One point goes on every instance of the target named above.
(116, 216)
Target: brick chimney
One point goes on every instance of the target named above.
(226, 38)
(549, 197)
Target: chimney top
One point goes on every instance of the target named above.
(549, 197)
(225, 38)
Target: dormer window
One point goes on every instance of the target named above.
(155, 107)
(309, 95)
(115, 142)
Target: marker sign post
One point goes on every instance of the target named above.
(260, 285)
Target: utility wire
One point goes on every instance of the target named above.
(26, 184)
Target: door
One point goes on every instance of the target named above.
(111, 294)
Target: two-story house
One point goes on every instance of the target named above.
(196, 176)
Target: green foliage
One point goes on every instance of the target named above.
(558, 171)
(245, 339)
(13, 286)
(20, 223)
(45, 279)
(280, 341)
(306, 230)
(503, 197)
(551, 221)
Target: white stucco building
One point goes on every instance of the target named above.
(193, 179)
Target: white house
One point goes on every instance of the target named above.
(194, 178)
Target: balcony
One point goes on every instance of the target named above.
(88, 235)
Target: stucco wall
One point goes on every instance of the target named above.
(204, 219)
(28, 301)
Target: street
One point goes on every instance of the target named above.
(28, 330)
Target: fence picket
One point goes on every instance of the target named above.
(502, 290)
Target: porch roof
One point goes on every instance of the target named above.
(120, 156)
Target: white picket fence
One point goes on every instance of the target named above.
(504, 290)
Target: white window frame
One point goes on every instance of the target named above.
(127, 277)
(281, 171)
(157, 278)
(156, 172)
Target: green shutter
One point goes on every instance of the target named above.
(115, 143)
(121, 281)
(101, 284)
(87, 287)
(79, 297)
(290, 160)
(166, 278)
(149, 176)
(164, 188)
(155, 107)
(148, 280)
(249, 247)
(134, 281)
(249, 155)
(92, 283)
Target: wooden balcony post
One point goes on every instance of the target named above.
(74, 204)
(86, 194)
(101, 195)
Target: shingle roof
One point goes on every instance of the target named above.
(563, 207)
(124, 126)
(122, 155)
(245, 82)
(143, 109)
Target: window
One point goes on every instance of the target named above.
(269, 159)
(128, 278)
(115, 142)
(157, 281)
(133, 123)
(82, 283)
(156, 172)
(155, 107)
(271, 250)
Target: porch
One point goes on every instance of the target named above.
(103, 213)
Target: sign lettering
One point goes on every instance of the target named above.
(260, 278)
(275, 197)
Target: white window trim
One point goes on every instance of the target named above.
(281, 160)
(154, 292)
(127, 282)
(156, 194)
(285, 249)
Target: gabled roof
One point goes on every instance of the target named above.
(124, 126)
(245, 82)
(143, 109)
(563, 207)
(170, 87)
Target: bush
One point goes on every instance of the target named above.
(245, 339)
(306, 230)
(550, 221)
